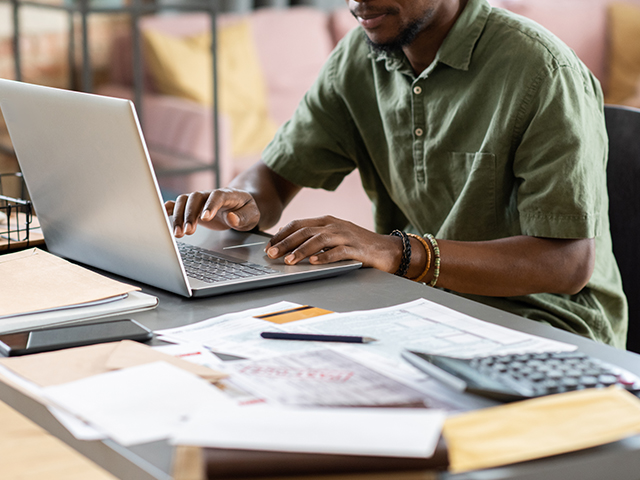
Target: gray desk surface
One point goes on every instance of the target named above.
(357, 290)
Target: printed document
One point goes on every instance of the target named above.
(322, 378)
(237, 334)
(424, 326)
(418, 325)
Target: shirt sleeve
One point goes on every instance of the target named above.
(316, 147)
(560, 161)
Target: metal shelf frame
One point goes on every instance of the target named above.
(136, 10)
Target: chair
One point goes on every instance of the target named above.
(623, 182)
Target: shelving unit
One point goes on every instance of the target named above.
(136, 9)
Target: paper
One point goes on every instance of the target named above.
(193, 353)
(34, 280)
(540, 428)
(425, 326)
(138, 404)
(320, 378)
(361, 431)
(129, 354)
(76, 427)
(236, 333)
(420, 325)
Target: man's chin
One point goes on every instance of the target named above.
(393, 43)
(380, 44)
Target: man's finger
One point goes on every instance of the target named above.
(331, 255)
(178, 215)
(295, 226)
(193, 211)
(223, 199)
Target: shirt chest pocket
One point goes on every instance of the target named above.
(464, 192)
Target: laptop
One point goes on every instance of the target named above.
(92, 184)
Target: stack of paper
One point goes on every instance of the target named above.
(152, 386)
(39, 289)
(137, 404)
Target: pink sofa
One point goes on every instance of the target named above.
(292, 44)
(582, 24)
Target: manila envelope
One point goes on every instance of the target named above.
(34, 280)
(62, 366)
(129, 354)
(540, 427)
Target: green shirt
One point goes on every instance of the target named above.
(502, 135)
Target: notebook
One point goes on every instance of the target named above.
(92, 184)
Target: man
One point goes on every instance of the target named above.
(465, 122)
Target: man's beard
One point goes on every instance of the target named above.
(404, 38)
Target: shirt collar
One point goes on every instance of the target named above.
(458, 46)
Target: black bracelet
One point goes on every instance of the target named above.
(406, 253)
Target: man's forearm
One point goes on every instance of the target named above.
(516, 266)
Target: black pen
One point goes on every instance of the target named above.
(312, 337)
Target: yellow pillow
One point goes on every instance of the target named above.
(181, 66)
(624, 62)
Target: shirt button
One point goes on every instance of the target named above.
(417, 90)
(419, 132)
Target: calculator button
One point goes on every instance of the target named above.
(607, 379)
(589, 381)
(522, 358)
(537, 377)
(550, 386)
(516, 365)
(569, 382)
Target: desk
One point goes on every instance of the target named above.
(357, 290)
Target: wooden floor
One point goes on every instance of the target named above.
(28, 452)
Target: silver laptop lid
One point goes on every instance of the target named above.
(90, 178)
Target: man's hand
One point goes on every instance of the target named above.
(328, 239)
(219, 210)
(505, 267)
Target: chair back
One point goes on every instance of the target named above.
(623, 182)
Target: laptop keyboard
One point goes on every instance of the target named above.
(206, 266)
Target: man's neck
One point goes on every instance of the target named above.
(423, 50)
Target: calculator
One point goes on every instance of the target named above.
(529, 375)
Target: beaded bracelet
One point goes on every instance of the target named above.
(428, 250)
(436, 253)
(406, 253)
